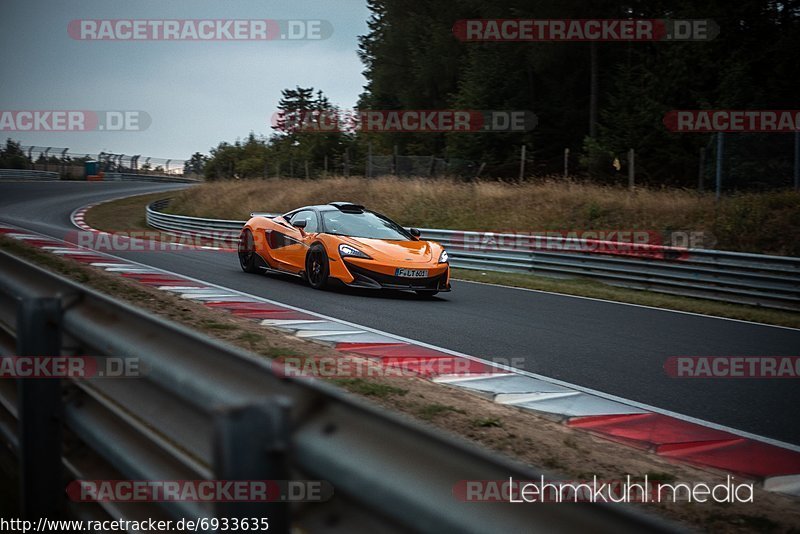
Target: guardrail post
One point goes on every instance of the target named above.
(39, 408)
(252, 443)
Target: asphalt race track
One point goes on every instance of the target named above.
(614, 348)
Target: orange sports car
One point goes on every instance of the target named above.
(344, 242)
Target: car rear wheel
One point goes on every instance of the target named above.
(317, 266)
(247, 252)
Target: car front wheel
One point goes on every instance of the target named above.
(247, 252)
(317, 266)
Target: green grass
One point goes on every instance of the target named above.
(123, 215)
(431, 411)
(213, 325)
(487, 422)
(369, 389)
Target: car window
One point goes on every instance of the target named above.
(311, 220)
(366, 224)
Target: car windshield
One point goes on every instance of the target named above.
(367, 224)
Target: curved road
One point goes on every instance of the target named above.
(615, 348)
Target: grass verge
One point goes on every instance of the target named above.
(126, 214)
(765, 223)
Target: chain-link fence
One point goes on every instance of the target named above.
(372, 165)
(72, 164)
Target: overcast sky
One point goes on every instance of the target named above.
(197, 93)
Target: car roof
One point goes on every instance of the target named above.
(333, 206)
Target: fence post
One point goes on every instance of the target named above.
(797, 161)
(64, 161)
(701, 170)
(368, 170)
(566, 163)
(720, 160)
(252, 443)
(39, 408)
(631, 169)
(522, 164)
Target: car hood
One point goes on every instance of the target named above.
(410, 251)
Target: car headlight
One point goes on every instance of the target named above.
(443, 257)
(346, 251)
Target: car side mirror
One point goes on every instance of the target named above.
(300, 224)
(415, 232)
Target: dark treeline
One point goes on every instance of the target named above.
(413, 61)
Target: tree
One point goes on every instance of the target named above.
(12, 156)
(196, 164)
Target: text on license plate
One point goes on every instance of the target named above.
(412, 273)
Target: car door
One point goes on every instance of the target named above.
(288, 244)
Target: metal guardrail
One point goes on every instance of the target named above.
(26, 174)
(208, 411)
(735, 277)
(135, 177)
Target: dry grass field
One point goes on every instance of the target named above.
(749, 222)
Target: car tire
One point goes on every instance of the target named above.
(247, 252)
(426, 293)
(317, 266)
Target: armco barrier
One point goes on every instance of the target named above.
(754, 279)
(132, 177)
(24, 174)
(205, 410)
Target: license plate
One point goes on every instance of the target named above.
(412, 273)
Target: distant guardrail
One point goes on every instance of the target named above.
(26, 174)
(734, 277)
(134, 177)
(203, 410)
